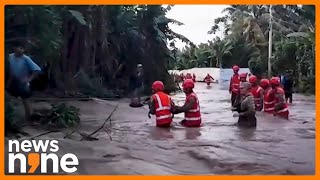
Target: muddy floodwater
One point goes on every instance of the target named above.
(133, 145)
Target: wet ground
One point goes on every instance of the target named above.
(136, 146)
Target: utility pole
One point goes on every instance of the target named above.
(270, 43)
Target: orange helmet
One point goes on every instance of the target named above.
(275, 81)
(243, 75)
(157, 86)
(253, 79)
(188, 83)
(235, 68)
(264, 82)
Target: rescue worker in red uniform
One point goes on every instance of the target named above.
(280, 105)
(234, 84)
(243, 78)
(268, 96)
(191, 108)
(257, 93)
(194, 77)
(208, 78)
(182, 77)
(161, 105)
(188, 76)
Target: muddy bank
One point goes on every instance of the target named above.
(136, 146)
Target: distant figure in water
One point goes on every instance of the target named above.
(194, 77)
(191, 108)
(160, 105)
(287, 87)
(246, 108)
(137, 86)
(208, 78)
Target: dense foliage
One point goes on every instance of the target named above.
(245, 42)
(102, 44)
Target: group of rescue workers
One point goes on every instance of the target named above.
(267, 96)
(207, 79)
(246, 99)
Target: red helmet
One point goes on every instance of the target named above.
(253, 79)
(235, 68)
(188, 83)
(264, 82)
(275, 81)
(157, 86)
(243, 75)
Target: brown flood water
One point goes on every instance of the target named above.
(276, 146)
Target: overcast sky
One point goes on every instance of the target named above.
(198, 20)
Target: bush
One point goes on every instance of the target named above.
(64, 116)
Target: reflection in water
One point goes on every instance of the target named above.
(192, 133)
(247, 133)
(159, 133)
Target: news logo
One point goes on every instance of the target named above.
(34, 154)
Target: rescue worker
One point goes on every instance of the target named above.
(268, 96)
(246, 108)
(188, 76)
(182, 77)
(257, 93)
(160, 105)
(191, 108)
(208, 78)
(280, 105)
(234, 84)
(243, 78)
(194, 77)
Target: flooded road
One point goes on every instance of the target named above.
(276, 146)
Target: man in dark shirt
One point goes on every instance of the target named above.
(287, 83)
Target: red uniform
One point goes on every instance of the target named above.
(193, 116)
(235, 83)
(194, 78)
(162, 106)
(283, 112)
(188, 76)
(256, 91)
(234, 87)
(208, 78)
(268, 100)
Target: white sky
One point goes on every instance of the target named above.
(197, 19)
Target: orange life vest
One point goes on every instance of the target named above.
(284, 112)
(235, 83)
(193, 117)
(208, 78)
(256, 94)
(268, 100)
(163, 106)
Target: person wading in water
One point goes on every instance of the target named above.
(246, 108)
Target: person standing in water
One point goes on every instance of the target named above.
(246, 108)
(268, 96)
(257, 92)
(22, 71)
(137, 83)
(280, 106)
(287, 87)
(191, 108)
(234, 84)
(160, 105)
